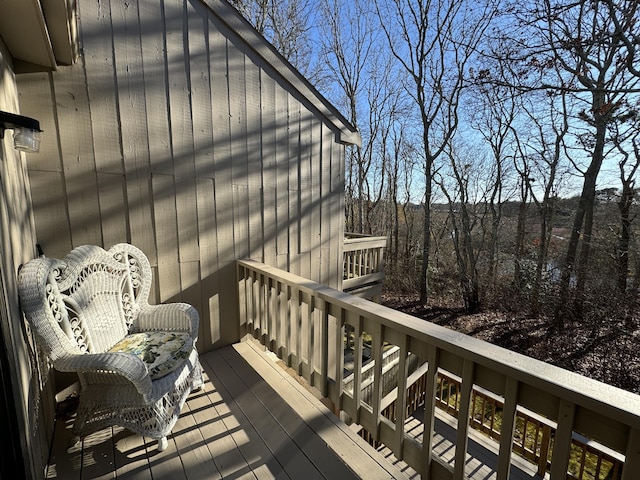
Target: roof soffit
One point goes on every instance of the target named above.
(39, 35)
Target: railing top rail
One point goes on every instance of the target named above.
(596, 396)
(361, 235)
(360, 243)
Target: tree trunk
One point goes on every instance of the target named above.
(624, 206)
(520, 234)
(426, 246)
(472, 289)
(546, 224)
(585, 253)
(584, 210)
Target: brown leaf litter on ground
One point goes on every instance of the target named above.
(608, 352)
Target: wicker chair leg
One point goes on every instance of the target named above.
(162, 444)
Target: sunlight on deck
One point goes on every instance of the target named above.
(250, 420)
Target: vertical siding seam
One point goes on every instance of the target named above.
(56, 120)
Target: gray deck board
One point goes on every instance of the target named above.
(482, 452)
(251, 420)
(254, 420)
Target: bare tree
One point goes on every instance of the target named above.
(433, 41)
(544, 172)
(286, 24)
(493, 111)
(578, 47)
(521, 163)
(462, 196)
(400, 166)
(347, 38)
(627, 144)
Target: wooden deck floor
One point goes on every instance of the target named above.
(251, 420)
(254, 420)
(482, 452)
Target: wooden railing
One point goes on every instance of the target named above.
(534, 434)
(363, 265)
(304, 323)
(389, 376)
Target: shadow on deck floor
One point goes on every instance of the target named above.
(251, 420)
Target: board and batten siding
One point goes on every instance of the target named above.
(175, 133)
(26, 415)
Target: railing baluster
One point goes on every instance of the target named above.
(279, 315)
(340, 346)
(401, 402)
(493, 419)
(324, 342)
(433, 357)
(472, 408)
(255, 303)
(311, 338)
(462, 434)
(583, 459)
(296, 315)
(377, 377)
(270, 311)
(598, 467)
(562, 440)
(242, 297)
(508, 428)
(357, 368)
(290, 316)
(260, 303)
(545, 444)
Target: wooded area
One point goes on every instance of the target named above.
(501, 142)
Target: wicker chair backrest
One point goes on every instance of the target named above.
(88, 301)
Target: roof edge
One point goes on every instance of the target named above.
(348, 134)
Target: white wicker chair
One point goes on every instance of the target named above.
(136, 362)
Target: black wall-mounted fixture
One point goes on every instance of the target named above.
(26, 136)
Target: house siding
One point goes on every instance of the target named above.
(175, 134)
(26, 418)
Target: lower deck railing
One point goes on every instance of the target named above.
(534, 434)
(533, 437)
(363, 259)
(305, 324)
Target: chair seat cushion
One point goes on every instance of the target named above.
(163, 352)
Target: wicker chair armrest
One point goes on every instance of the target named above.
(109, 367)
(169, 316)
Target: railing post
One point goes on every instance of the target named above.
(631, 465)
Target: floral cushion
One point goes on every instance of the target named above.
(163, 352)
